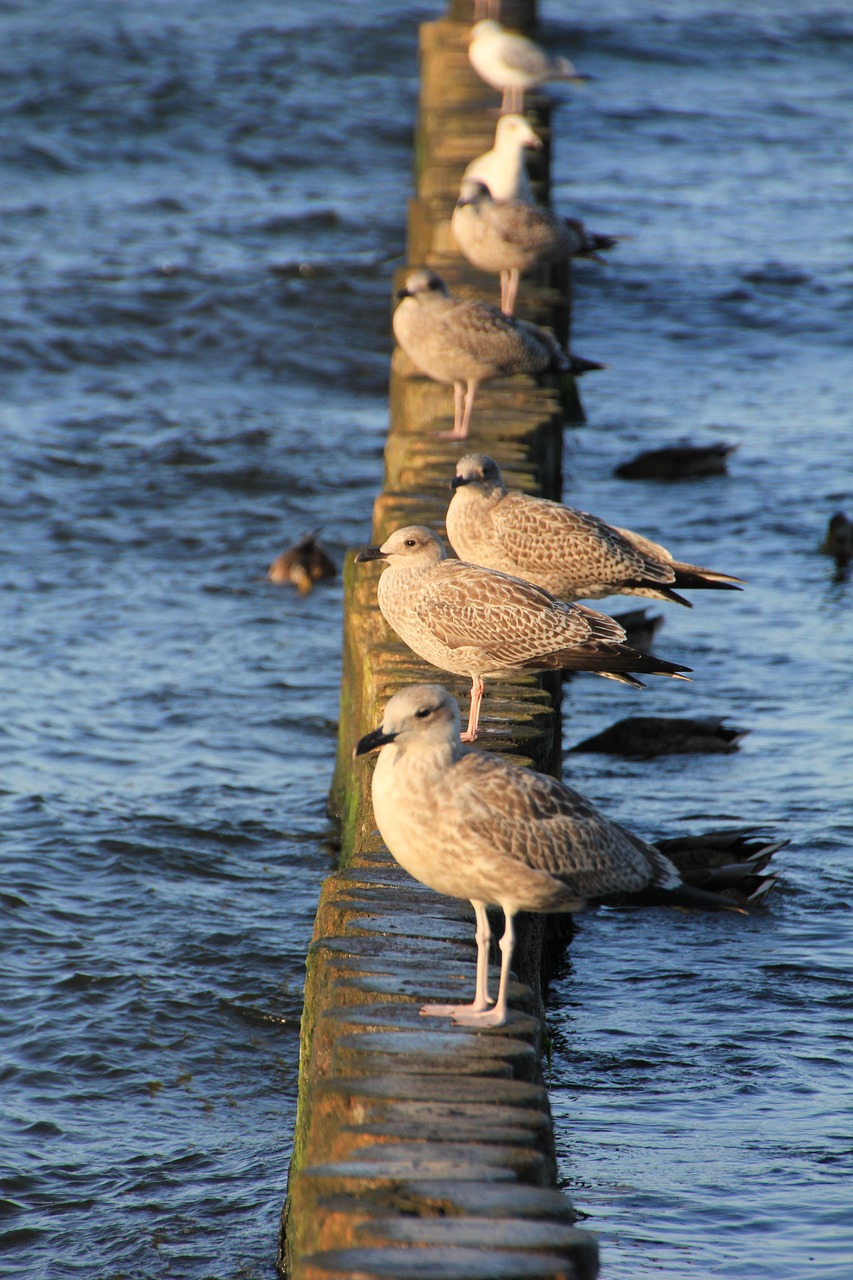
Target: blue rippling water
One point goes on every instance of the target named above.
(193, 353)
(200, 209)
(701, 1068)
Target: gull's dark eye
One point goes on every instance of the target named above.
(422, 712)
(410, 542)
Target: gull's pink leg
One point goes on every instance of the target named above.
(461, 415)
(497, 1016)
(469, 405)
(481, 991)
(482, 999)
(511, 291)
(477, 687)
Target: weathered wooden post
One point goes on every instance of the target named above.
(423, 1148)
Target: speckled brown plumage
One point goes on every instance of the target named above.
(512, 237)
(464, 341)
(472, 621)
(471, 825)
(570, 553)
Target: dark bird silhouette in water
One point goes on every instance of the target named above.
(677, 462)
(640, 627)
(838, 542)
(642, 737)
(303, 564)
(730, 861)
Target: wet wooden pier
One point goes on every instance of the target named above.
(423, 1148)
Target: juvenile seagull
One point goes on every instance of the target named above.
(474, 622)
(570, 553)
(470, 825)
(515, 236)
(502, 169)
(465, 341)
(514, 63)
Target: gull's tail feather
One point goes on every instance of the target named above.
(691, 575)
(592, 243)
(577, 365)
(613, 661)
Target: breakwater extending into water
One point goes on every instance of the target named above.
(199, 234)
(423, 1147)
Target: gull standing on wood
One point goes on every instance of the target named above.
(503, 169)
(465, 341)
(515, 236)
(570, 553)
(513, 63)
(471, 825)
(475, 622)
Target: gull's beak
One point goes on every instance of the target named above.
(459, 480)
(402, 293)
(372, 742)
(370, 553)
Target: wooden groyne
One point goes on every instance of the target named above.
(425, 1148)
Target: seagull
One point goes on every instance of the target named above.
(515, 236)
(570, 553)
(502, 169)
(514, 63)
(465, 341)
(469, 824)
(475, 622)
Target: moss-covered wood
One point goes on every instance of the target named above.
(423, 1148)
